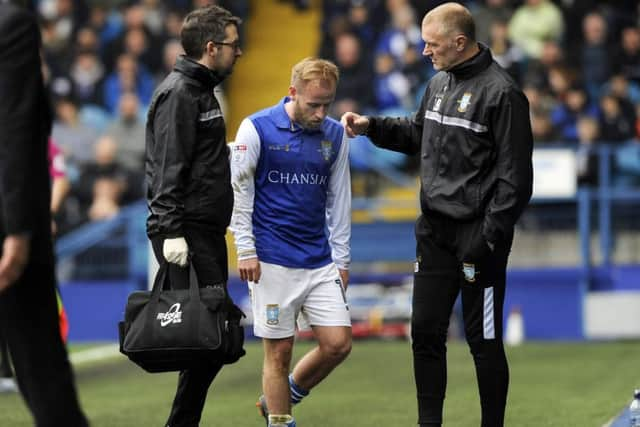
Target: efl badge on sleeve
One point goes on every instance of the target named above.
(239, 152)
(469, 271)
(273, 314)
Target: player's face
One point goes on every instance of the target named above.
(311, 102)
(229, 52)
(440, 48)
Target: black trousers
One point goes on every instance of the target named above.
(5, 363)
(209, 258)
(29, 322)
(451, 259)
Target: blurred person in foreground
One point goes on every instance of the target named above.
(188, 176)
(473, 134)
(291, 181)
(28, 304)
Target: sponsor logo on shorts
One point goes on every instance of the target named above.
(273, 314)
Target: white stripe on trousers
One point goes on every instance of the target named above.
(488, 315)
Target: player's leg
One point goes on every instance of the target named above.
(434, 292)
(334, 345)
(482, 304)
(275, 301)
(325, 308)
(275, 386)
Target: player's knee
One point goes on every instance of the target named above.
(337, 350)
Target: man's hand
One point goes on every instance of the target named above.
(15, 254)
(344, 276)
(354, 124)
(176, 251)
(249, 269)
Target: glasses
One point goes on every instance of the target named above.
(235, 45)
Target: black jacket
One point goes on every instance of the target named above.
(187, 159)
(25, 122)
(473, 133)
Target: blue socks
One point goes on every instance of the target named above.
(297, 392)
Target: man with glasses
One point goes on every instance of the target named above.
(473, 134)
(188, 177)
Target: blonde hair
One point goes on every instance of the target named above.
(314, 69)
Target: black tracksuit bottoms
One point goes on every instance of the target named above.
(30, 324)
(208, 253)
(441, 273)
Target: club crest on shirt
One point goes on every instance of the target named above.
(326, 149)
(273, 314)
(464, 102)
(469, 271)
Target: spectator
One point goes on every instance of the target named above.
(356, 77)
(402, 41)
(587, 156)
(537, 70)
(391, 87)
(627, 59)
(103, 182)
(540, 107)
(74, 138)
(130, 76)
(172, 49)
(616, 124)
(594, 54)
(509, 56)
(624, 90)
(488, 12)
(86, 78)
(127, 131)
(533, 23)
(134, 19)
(574, 105)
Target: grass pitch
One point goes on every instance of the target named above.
(552, 384)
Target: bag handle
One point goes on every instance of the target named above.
(158, 284)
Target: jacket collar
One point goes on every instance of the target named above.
(196, 71)
(473, 65)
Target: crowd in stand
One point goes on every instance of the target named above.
(578, 62)
(103, 60)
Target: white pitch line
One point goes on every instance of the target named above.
(94, 354)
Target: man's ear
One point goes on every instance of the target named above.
(292, 92)
(211, 48)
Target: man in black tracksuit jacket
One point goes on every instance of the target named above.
(28, 302)
(188, 177)
(473, 134)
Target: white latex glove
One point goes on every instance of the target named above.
(176, 251)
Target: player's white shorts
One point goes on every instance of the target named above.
(283, 293)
